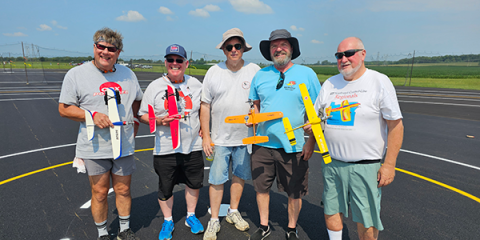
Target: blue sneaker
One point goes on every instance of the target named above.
(167, 230)
(195, 225)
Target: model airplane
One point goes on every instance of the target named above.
(172, 96)
(152, 119)
(112, 100)
(314, 120)
(344, 109)
(254, 118)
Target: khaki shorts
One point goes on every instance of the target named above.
(290, 170)
(123, 166)
(352, 185)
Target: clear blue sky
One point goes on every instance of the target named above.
(389, 28)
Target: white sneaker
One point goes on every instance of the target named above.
(236, 219)
(212, 229)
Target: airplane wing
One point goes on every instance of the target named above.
(254, 118)
(289, 131)
(151, 119)
(262, 117)
(173, 110)
(115, 132)
(315, 120)
(255, 140)
(90, 124)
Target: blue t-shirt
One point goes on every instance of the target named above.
(287, 99)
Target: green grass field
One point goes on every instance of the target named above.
(454, 75)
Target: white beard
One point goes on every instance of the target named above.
(349, 73)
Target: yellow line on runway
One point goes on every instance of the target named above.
(149, 149)
(440, 184)
(52, 167)
(31, 173)
(437, 182)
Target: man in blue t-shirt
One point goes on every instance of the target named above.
(275, 88)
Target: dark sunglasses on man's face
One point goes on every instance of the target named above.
(171, 60)
(280, 80)
(101, 47)
(237, 46)
(348, 53)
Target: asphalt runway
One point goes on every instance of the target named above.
(435, 195)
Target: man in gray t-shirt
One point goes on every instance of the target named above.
(83, 90)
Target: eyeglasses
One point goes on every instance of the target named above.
(101, 47)
(348, 53)
(280, 80)
(171, 60)
(237, 46)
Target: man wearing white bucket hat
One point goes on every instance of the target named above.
(225, 93)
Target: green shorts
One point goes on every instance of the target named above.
(354, 185)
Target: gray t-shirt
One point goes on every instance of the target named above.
(189, 101)
(84, 86)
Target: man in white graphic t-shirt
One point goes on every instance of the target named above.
(362, 118)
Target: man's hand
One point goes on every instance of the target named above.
(102, 120)
(308, 129)
(207, 147)
(385, 175)
(308, 148)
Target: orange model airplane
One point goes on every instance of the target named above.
(254, 118)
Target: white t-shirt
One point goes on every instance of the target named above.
(227, 93)
(84, 87)
(356, 128)
(190, 92)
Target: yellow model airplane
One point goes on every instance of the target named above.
(314, 120)
(254, 118)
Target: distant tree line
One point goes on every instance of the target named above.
(420, 59)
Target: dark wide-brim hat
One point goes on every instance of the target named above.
(279, 34)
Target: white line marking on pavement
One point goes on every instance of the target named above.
(450, 104)
(441, 159)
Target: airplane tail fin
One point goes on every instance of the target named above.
(90, 124)
(289, 131)
(255, 140)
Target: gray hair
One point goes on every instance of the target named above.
(109, 36)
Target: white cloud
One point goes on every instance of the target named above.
(55, 23)
(251, 6)
(199, 13)
(131, 16)
(169, 19)
(44, 27)
(299, 35)
(212, 8)
(295, 28)
(316, 41)
(17, 34)
(164, 10)
(325, 34)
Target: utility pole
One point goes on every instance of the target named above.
(24, 63)
(411, 70)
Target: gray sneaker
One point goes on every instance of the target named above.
(260, 234)
(212, 229)
(236, 219)
(127, 235)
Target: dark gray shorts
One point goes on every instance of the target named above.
(123, 166)
(290, 170)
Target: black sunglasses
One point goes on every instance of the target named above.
(348, 53)
(101, 47)
(280, 80)
(237, 46)
(171, 60)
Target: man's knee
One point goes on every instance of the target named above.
(334, 222)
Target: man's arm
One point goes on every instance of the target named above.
(77, 114)
(135, 108)
(205, 127)
(386, 173)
